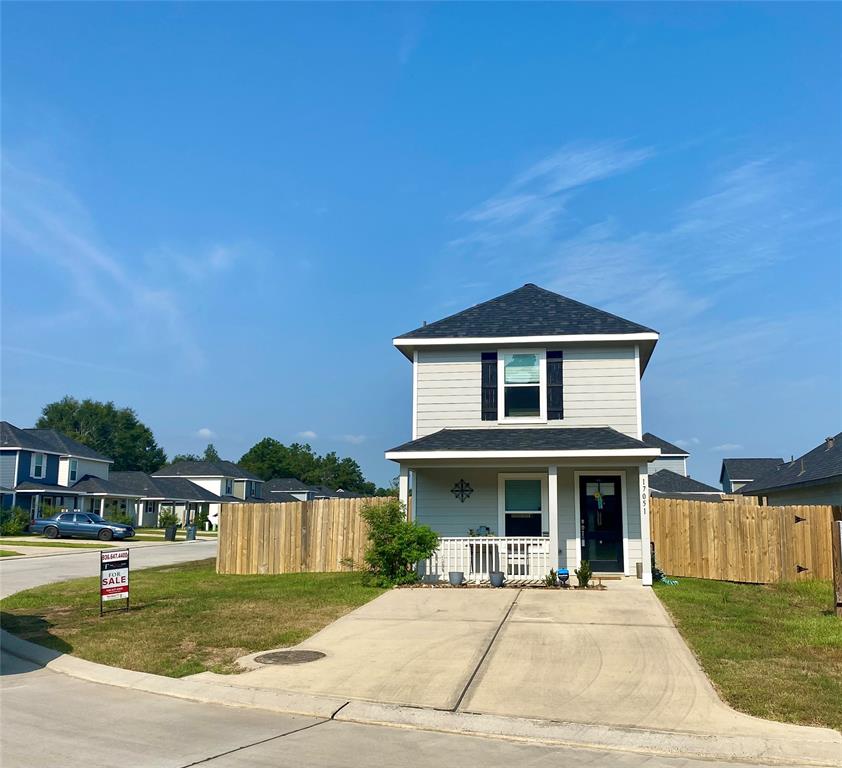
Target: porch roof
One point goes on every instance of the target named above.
(532, 442)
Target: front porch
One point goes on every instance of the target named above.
(525, 520)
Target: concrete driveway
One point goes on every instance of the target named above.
(610, 657)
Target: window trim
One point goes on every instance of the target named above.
(228, 487)
(34, 464)
(501, 497)
(73, 470)
(541, 418)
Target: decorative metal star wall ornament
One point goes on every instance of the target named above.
(462, 490)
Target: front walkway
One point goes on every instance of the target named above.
(610, 657)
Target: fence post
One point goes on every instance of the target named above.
(837, 563)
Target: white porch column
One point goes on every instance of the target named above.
(645, 546)
(552, 511)
(102, 507)
(403, 489)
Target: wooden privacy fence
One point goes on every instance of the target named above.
(742, 542)
(292, 536)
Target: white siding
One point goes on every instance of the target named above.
(677, 464)
(85, 467)
(212, 484)
(599, 389)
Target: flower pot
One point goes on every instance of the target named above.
(496, 578)
(456, 578)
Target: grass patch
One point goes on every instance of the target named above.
(8, 553)
(58, 543)
(773, 651)
(185, 618)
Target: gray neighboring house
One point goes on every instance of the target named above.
(672, 457)
(736, 473)
(292, 489)
(670, 485)
(814, 478)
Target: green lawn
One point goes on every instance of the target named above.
(37, 542)
(185, 618)
(8, 553)
(772, 651)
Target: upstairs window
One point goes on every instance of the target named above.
(522, 388)
(39, 465)
(229, 487)
(74, 470)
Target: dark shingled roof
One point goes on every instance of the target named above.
(279, 496)
(748, 469)
(91, 484)
(526, 311)
(206, 469)
(667, 449)
(277, 484)
(174, 488)
(551, 439)
(667, 481)
(47, 440)
(819, 465)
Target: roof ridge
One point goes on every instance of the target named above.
(586, 306)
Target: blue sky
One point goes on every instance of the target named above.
(220, 215)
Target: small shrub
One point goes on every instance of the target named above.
(201, 518)
(550, 578)
(584, 573)
(13, 522)
(395, 544)
(167, 517)
(120, 517)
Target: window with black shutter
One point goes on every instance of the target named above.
(489, 386)
(555, 386)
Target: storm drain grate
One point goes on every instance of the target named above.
(288, 657)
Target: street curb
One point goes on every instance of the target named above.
(820, 747)
(92, 550)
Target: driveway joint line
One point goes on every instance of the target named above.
(486, 652)
(210, 758)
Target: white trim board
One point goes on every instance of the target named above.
(560, 339)
(637, 453)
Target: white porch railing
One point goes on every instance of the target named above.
(520, 558)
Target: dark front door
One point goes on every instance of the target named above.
(600, 505)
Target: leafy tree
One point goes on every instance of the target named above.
(395, 544)
(210, 453)
(185, 457)
(112, 431)
(270, 458)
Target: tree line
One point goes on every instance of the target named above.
(119, 434)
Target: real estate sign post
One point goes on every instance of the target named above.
(113, 577)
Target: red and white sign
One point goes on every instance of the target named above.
(114, 575)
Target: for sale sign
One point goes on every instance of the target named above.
(114, 576)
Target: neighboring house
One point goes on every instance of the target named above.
(280, 488)
(671, 485)
(55, 473)
(526, 424)
(229, 481)
(672, 457)
(42, 467)
(814, 478)
(736, 473)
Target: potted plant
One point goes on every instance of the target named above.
(456, 578)
(584, 574)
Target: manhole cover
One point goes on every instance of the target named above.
(288, 657)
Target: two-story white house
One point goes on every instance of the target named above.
(527, 450)
(224, 479)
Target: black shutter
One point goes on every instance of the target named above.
(489, 386)
(555, 387)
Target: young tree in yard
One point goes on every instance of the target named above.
(112, 431)
(395, 544)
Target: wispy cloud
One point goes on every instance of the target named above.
(353, 439)
(534, 200)
(727, 447)
(308, 434)
(48, 228)
(688, 442)
(205, 433)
